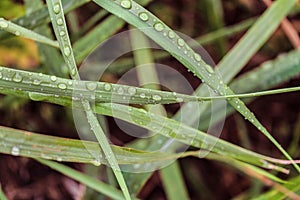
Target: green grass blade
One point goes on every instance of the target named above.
(2, 195)
(160, 33)
(173, 182)
(170, 129)
(266, 76)
(251, 42)
(53, 86)
(121, 66)
(84, 46)
(40, 16)
(26, 33)
(87, 180)
(59, 25)
(148, 75)
(62, 149)
(292, 185)
(214, 15)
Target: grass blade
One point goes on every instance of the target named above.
(173, 182)
(87, 180)
(191, 60)
(26, 33)
(59, 25)
(2, 195)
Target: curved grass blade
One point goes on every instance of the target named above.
(61, 149)
(26, 33)
(59, 24)
(176, 46)
(28, 144)
(40, 16)
(170, 130)
(83, 178)
(84, 46)
(171, 176)
(123, 65)
(266, 76)
(292, 185)
(52, 86)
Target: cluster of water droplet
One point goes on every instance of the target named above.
(170, 35)
(62, 32)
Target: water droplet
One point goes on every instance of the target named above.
(171, 34)
(36, 82)
(17, 33)
(144, 16)
(17, 78)
(15, 151)
(156, 97)
(107, 87)
(35, 96)
(91, 86)
(142, 95)
(0, 75)
(209, 69)
(126, 4)
(67, 51)
(131, 90)
(60, 21)
(62, 33)
(53, 78)
(3, 24)
(62, 86)
(120, 91)
(159, 26)
(56, 8)
(180, 42)
(59, 159)
(73, 71)
(197, 57)
(179, 100)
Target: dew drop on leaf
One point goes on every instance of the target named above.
(142, 95)
(53, 78)
(3, 24)
(179, 100)
(209, 69)
(56, 8)
(156, 97)
(126, 4)
(17, 78)
(158, 26)
(62, 33)
(171, 34)
(67, 51)
(107, 87)
(91, 86)
(35, 96)
(62, 86)
(15, 151)
(197, 57)
(131, 90)
(36, 82)
(180, 42)
(144, 16)
(120, 91)
(60, 21)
